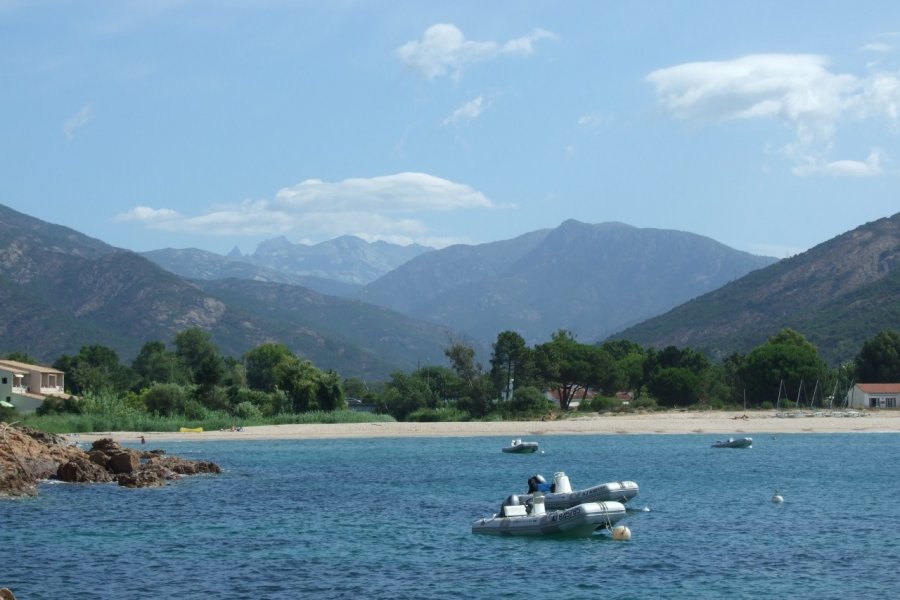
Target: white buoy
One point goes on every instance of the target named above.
(646, 509)
(620, 532)
(777, 498)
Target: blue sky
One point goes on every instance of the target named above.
(768, 126)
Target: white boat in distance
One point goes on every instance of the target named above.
(517, 446)
(582, 520)
(559, 494)
(744, 442)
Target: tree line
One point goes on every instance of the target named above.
(519, 381)
(786, 369)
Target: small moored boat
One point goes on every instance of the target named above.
(582, 520)
(517, 446)
(559, 494)
(744, 442)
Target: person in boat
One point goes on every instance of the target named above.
(537, 483)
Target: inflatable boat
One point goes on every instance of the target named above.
(744, 442)
(582, 520)
(559, 494)
(517, 446)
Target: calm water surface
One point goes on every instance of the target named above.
(391, 518)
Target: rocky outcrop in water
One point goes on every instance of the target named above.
(28, 456)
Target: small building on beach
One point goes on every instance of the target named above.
(873, 395)
(24, 386)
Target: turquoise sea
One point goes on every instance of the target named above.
(391, 518)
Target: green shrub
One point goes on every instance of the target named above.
(247, 410)
(58, 405)
(645, 403)
(530, 400)
(165, 399)
(604, 404)
(434, 415)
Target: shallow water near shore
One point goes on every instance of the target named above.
(391, 518)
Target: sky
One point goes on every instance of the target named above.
(768, 126)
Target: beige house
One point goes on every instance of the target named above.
(24, 386)
(874, 395)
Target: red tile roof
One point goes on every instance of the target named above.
(879, 388)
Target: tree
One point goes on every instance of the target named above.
(675, 386)
(262, 364)
(568, 367)
(879, 359)
(629, 357)
(154, 364)
(195, 352)
(510, 363)
(95, 369)
(164, 399)
(785, 358)
(677, 377)
(404, 394)
(22, 357)
(475, 393)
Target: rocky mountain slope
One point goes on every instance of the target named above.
(838, 294)
(590, 279)
(61, 290)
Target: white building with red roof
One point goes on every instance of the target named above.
(874, 395)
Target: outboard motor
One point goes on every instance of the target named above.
(511, 500)
(561, 483)
(537, 483)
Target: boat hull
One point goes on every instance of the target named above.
(582, 520)
(734, 443)
(613, 491)
(521, 448)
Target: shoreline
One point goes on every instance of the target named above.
(711, 423)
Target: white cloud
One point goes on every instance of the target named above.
(797, 89)
(146, 214)
(79, 120)
(881, 96)
(388, 207)
(844, 168)
(444, 50)
(592, 120)
(469, 111)
(524, 46)
(879, 47)
(389, 193)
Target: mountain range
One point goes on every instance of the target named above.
(837, 294)
(61, 290)
(367, 309)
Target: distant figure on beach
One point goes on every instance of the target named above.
(742, 417)
(143, 441)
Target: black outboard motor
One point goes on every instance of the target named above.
(535, 482)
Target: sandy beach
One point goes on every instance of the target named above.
(711, 423)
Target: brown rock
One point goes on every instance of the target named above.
(82, 470)
(28, 456)
(6, 594)
(123, 461)
(149, 477)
